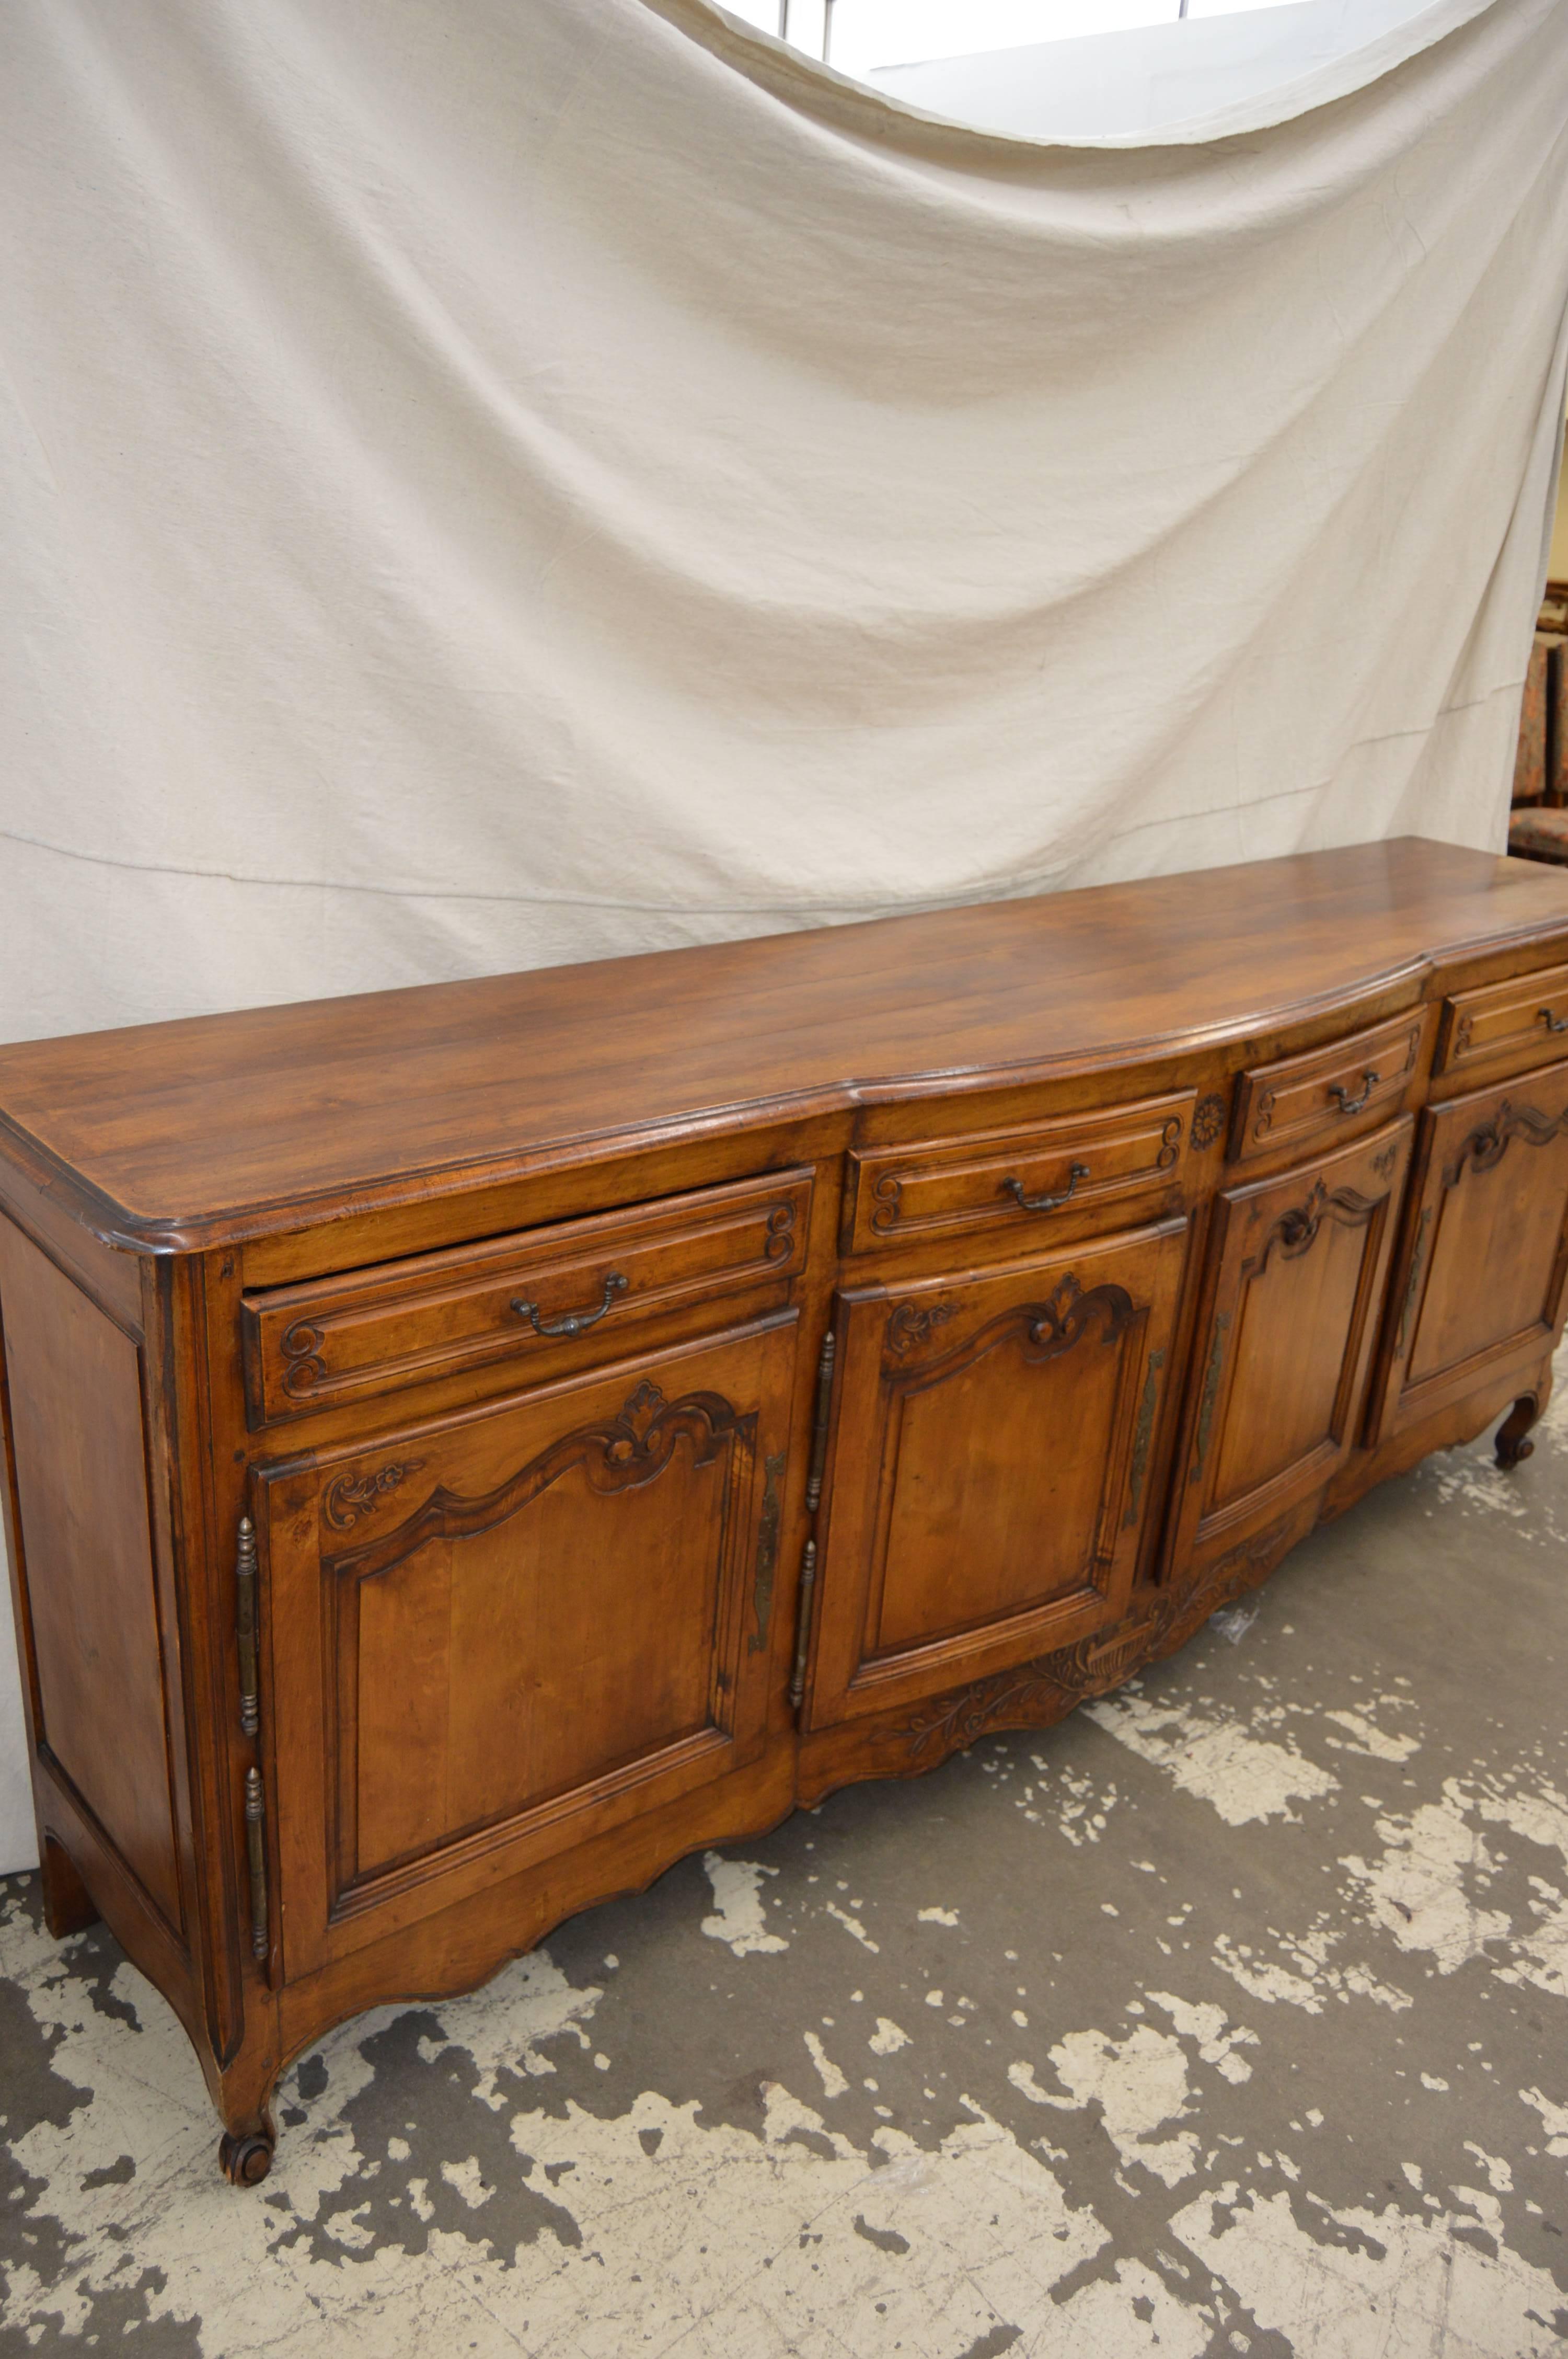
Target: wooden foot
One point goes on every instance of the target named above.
(244, 2161)
(1513, 1443)
(69, 1907)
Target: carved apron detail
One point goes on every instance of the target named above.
(620, 1454)
(1050, 1685)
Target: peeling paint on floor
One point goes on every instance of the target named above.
(1228, 2016)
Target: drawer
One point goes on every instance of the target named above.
(574, 1287)
(1328, 1092)
(1018, 1176)
(1505, 1028)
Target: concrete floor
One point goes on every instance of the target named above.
(1228, 2016)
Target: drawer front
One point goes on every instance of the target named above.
(576, 1288)
(1328, 1094)
(1506, 1027)
(1019, 1177)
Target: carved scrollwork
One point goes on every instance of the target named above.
(910, 1324)
(1170, 1143)
(1208, 1119)
(1383, 1164)
(620, 1453)
(887, 1191)
(353, 1496)
(302, 1345)
(1295, 1232)
(1043, 1690)
(1486, 1145)
(1068, 1314)
(1048, 1328)
(951, 1722)
(781, 1233)
(1240, 1569)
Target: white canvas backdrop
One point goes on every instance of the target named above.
(488, 483)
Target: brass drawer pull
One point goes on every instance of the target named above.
(1553, 1022)
(1347, 1104)
(1014, 1188)
(576, 1322)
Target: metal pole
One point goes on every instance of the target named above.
(827, 29)
(784, 19)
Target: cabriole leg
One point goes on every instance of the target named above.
(1513, 1443)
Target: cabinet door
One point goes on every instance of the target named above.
(499, 1633)
(988, 1481)
(1298, 1270)
(1481, 1287)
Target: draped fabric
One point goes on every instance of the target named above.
(489, 482)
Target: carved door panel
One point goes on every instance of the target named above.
(494, 1634)
(1298, 1271)
(989, 1484)
(1481, 1282)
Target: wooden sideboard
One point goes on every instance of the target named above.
(470, 1446)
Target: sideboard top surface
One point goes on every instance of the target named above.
(192, 1132)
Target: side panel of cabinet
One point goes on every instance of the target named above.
(1482, 1280)
(988, 1487)
(495, 1634)
(86, 1563)
(1298, 1271)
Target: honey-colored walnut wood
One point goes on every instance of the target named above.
(82, 1485)
(1506, 1027)
(215, 1127)
(1300, 1103)
(959, 1532)
(1006, 1180)
(1298, 1277)
(466, 1447)
(380, 1330)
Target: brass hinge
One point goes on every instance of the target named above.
(819, 1430)
(1210, 1392)
(255, 1848)
(773, 1470)
(1143, 1436)
(245, 1625)
(803, 1627)
(1413, 1285)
